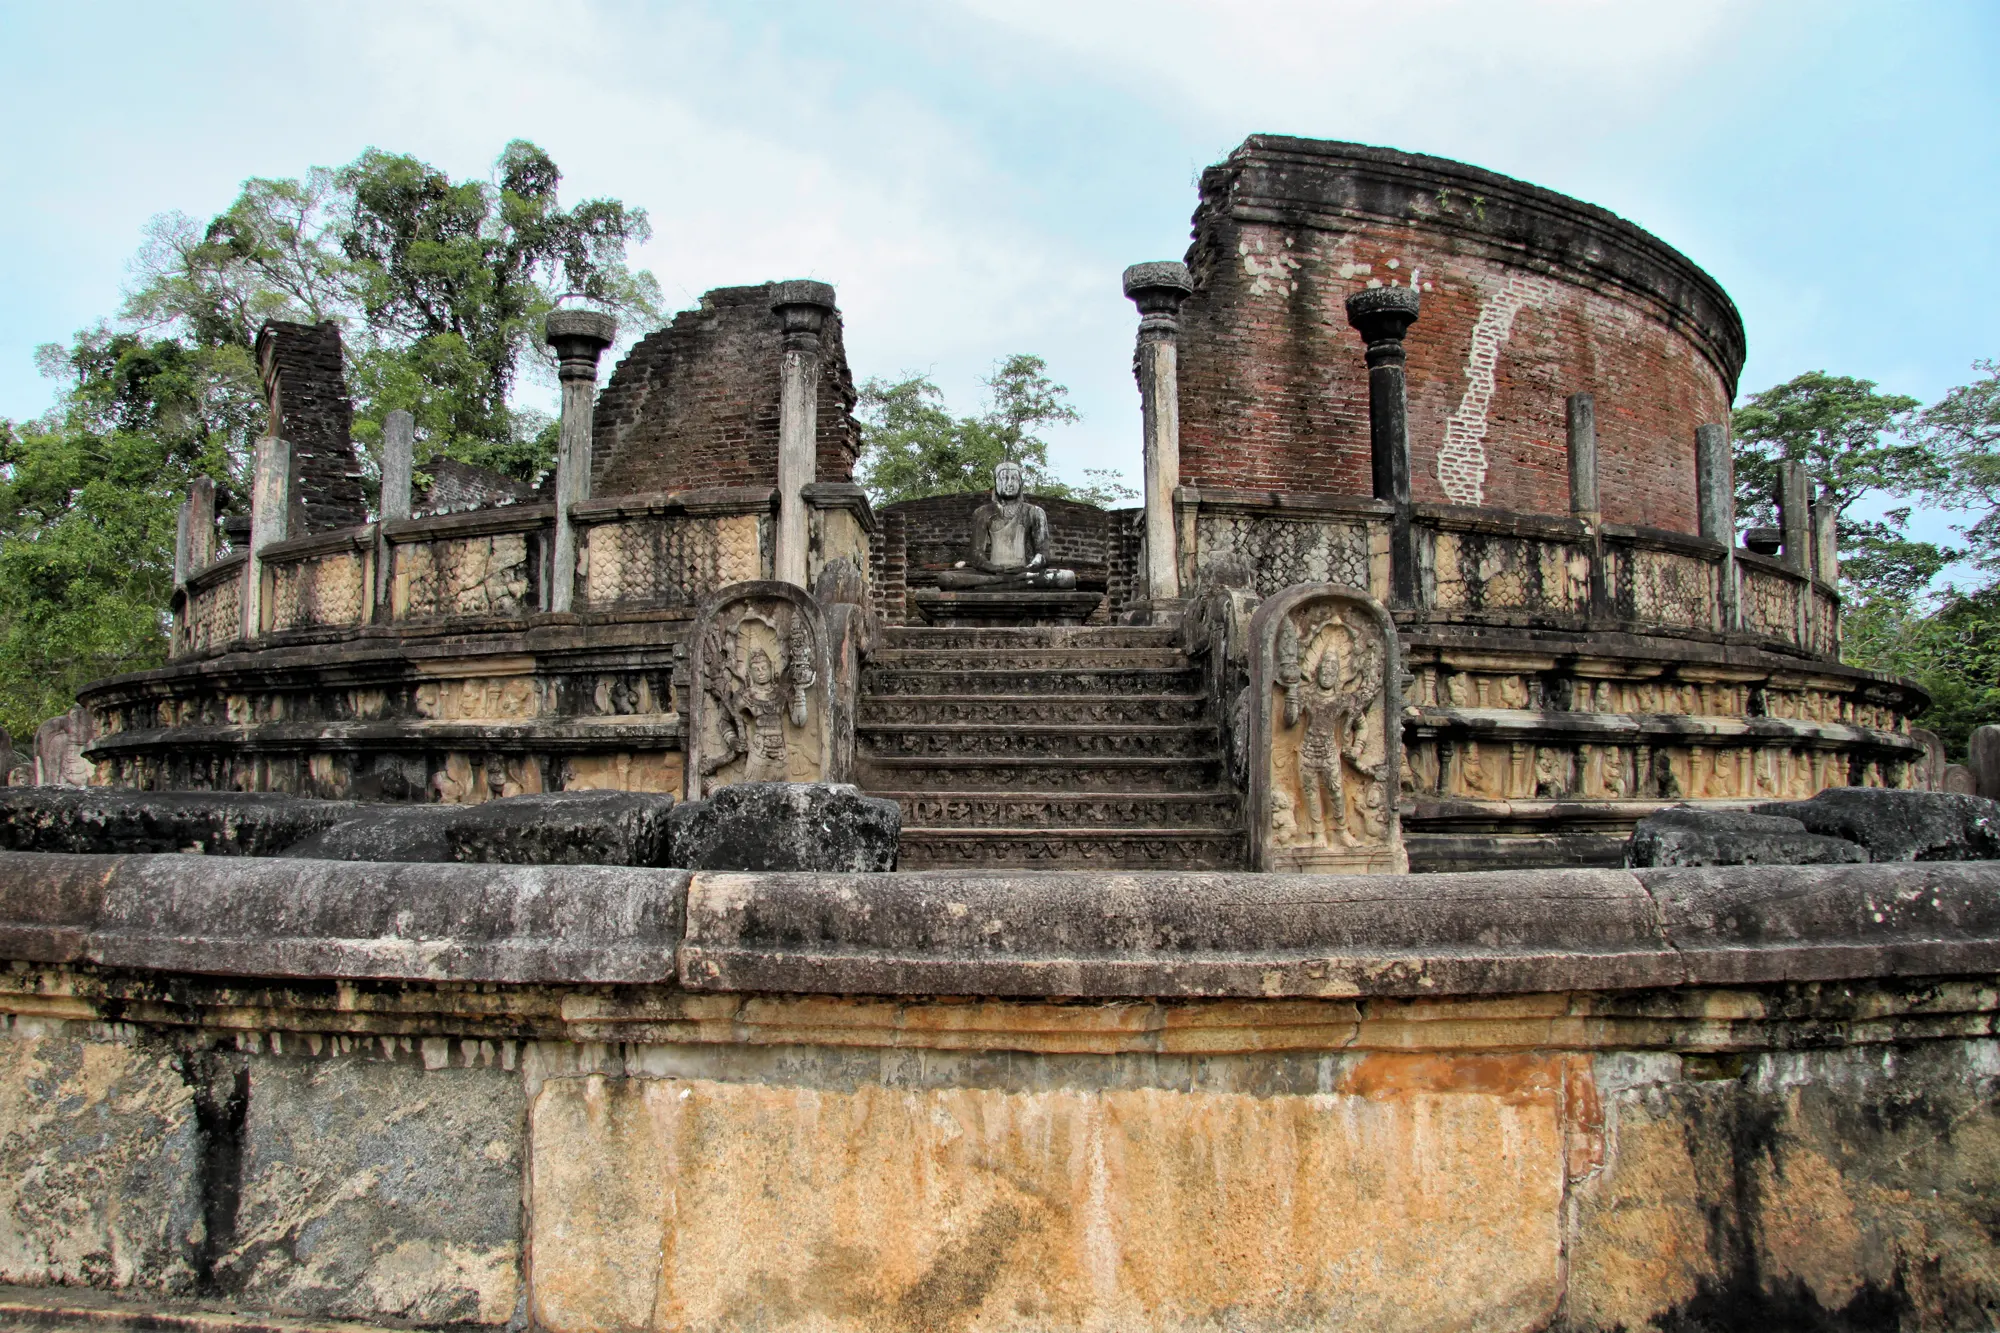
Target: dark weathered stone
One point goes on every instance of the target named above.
(268, 917)
(1684, 836)
(104, 820)
(612, 828)
(787, 826)
(1902, 825)
(1983, 758)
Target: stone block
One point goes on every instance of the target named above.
(787, 826)
(546, 828)
(1685, 836)
(1983, 758)
(381, 1186)
(1958, 778)
(102, 820)
(1901, 825)
(716, 1205)
(99, 1155)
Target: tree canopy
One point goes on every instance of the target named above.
(912, 446)
(1859, 442)
(439, 286)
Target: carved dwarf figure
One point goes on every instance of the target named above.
(1333, 705)
(1010, 542)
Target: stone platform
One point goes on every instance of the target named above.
(257, 1093)
(1026, 606)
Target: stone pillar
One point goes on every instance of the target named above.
(579, 338)
(1583, 457)
(1383, 316)
(1826, 538)
(399, 445)
(200, 512)
(270, 521)
(802, 308)
(1715, 506)
(1158, 290)
(1795, 515)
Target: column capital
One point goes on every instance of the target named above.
(1158, 289)
(579, 337)
(1383, 315)
(802, 307)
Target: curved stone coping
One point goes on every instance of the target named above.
(1004, 934)
(279, 917)
(1612, 728)
(469, 523)
(701, 502)
(555, 732)
(219, 571)
(313, 545)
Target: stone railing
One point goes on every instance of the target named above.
(1668, 581)
(1267, 541)
(1498, 567)
(208, 613)
(487, 563)
(327, 579)
(580, 1098)
(672, 548)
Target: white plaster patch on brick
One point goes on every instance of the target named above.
(1461, 459)
(1272, 274)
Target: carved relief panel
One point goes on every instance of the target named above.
(758, 702)
(1326, 718)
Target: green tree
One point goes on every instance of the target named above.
(440, 287)
(912, 446)
(1853, 442)
(1961, 431)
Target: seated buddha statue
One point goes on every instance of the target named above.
(1010, 543)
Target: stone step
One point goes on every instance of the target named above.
(1069, 849)
(1028, 659)
(880, 682)
(1090, 740)
(1033, 636)
(1079, 773)
(1034, 709)
(1104, 811)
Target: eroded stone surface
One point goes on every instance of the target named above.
(547, 828)
(1902, 825)
(1689, 837)
(1417, 1195)
(1775, 1191)
(99, 1158)
(823, 826)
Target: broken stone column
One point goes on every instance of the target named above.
(802, 307)
(1825, 538)
(1383, 315)
(579, 338)
(1715, 506)
(1583, 457)
(399, 445)
(1158, 290)
(270, 521)
(1983, 752)
(1795, 516)
(200, 511)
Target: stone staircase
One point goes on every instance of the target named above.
(1054, 748)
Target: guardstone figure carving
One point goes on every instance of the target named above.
(1010, 543)
(758, 702)
(1326, 711)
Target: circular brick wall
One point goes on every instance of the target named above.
(1528, 296)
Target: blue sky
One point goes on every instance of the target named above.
(973, 176)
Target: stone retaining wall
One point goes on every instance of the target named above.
(592, 1098)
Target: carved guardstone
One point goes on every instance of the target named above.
(1326, 723)
(758, 699)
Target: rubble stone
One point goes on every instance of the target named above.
(612, 828)
(1902, 825)
(1685, 836)
(103, 820)
(817, 826)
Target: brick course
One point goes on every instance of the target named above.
(1527, 297)
(306, 386)
(696, 403)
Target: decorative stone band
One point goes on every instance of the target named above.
(1018, 934)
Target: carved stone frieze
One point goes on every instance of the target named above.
(325, 590)
(469, 576)
(1279, 553)
(759, 695)
(1326, 733)
(669, 559)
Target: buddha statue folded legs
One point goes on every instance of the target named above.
(1010, 542)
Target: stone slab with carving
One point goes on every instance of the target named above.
(760, 674)
(1326, 720)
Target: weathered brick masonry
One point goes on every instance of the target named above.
(307, 390)
(696, 404)
(1527, 297)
